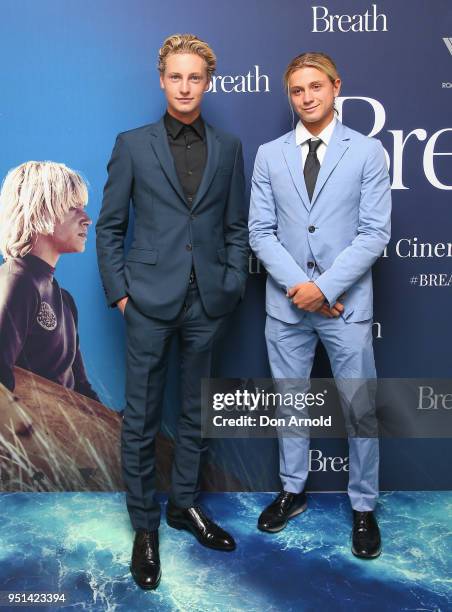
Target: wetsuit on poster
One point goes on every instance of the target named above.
(38, 326)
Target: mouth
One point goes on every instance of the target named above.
(83, 235)
(310, 109)
(184, 99)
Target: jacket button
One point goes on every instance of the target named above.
(311, 264)
(188, 247)
(311, 229)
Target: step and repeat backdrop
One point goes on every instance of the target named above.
(74, 74)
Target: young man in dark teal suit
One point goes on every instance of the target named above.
(184, 273)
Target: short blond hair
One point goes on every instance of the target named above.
(34, 196)
(313, 59)
(187, 43)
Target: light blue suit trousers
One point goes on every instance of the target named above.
(291, 349)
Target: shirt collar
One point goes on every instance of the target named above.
(302, 134)
(37, 265)
(174, 127)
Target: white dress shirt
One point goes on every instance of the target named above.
(302, 135)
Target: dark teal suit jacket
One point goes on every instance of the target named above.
(169, 236)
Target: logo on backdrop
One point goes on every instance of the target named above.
(429, 399)
(377, 330)
(370, 21)
(319, 463)
(413, 249)
(252, 82)
(448, 43)
(430, 279)
(430, 154)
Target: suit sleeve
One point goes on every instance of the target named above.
(374, 229)
(113, 222)
(19, 305)
(263, 228)
(235, 225)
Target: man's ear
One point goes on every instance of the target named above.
(162, 86)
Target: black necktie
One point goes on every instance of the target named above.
(311, 166)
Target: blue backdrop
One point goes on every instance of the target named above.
(76, 73)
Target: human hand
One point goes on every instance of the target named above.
(333, 312)
(306, 296)
(121, 304)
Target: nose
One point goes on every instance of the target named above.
(308, 98)
(184, 86)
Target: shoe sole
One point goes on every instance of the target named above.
(183, 527)
(277, 529)
(366, 557)
(145, 588)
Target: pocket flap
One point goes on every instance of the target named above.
(355, 316)
(147, 256)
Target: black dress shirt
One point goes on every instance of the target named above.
(189, 151)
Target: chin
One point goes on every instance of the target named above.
(185, 110)
(311, 119)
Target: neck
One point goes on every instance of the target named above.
(319, 126)
(186, 118)
(46, 252)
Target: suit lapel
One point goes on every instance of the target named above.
(292, 155)
(159, 142)
(336, 148)
(213, 154)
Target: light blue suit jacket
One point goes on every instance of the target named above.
(343, 230)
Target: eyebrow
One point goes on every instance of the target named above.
(309, 84)
(191, 74)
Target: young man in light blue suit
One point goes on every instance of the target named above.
(319, 219)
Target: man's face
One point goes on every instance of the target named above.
(70, 234)
(184, 82)
(312, 95)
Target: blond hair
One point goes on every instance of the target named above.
(187, 43)
(34, 196)
(313, 59)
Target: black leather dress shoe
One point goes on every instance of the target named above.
(145, 565)
(205, 531)
(366, 540)
(284, 507)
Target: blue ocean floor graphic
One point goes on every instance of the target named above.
(79, 544)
